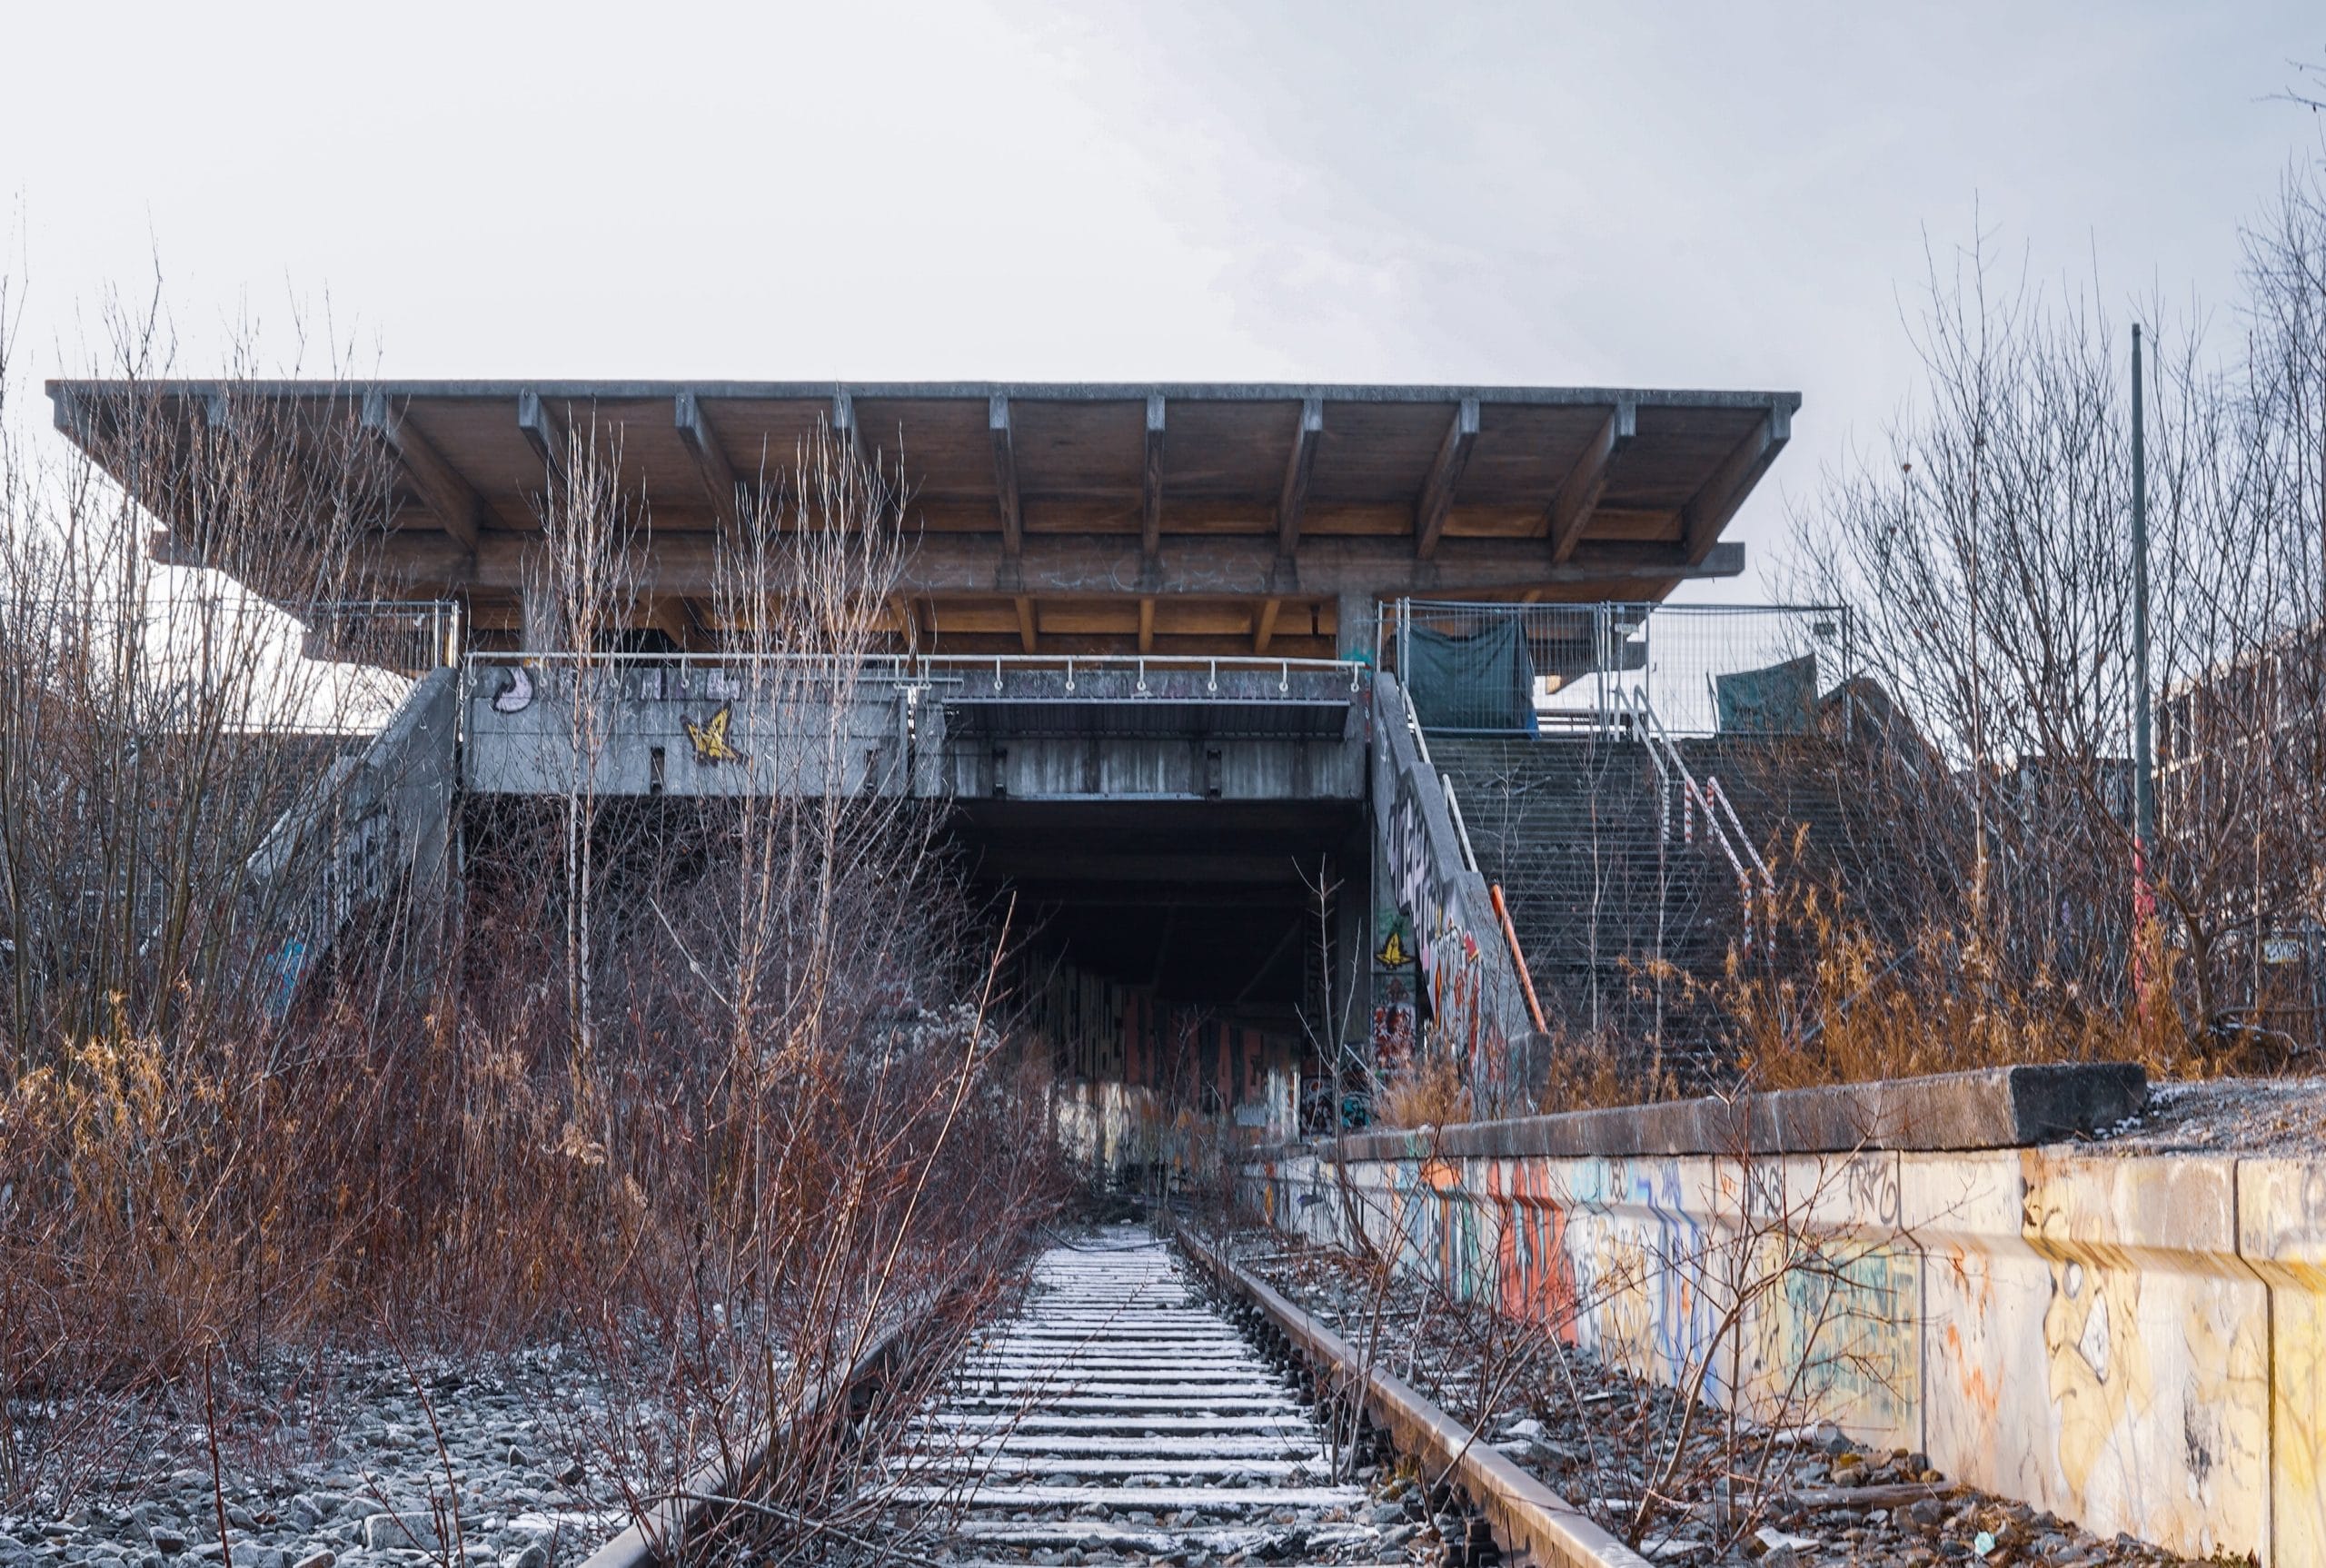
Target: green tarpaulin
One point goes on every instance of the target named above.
(1481, 682)
(1780, 700)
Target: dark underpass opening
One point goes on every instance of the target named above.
(1190, 968)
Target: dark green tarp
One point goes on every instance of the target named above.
(1481, 682)
(1780, 700)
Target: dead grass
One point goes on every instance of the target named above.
(1430, 1094)
(1823, 1001)
(717, 1091)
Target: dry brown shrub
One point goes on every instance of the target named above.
(779, 1119)
(1430, 1094)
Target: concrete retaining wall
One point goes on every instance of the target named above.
(1458, 959)
(2137, 1344)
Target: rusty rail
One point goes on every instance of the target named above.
(661, 1533)
(1533, 1526)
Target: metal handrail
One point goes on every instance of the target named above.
(1736, 847)
(1070, 664)
(910, 676)
(1432, 606)
(1461, 828)
(1413, 727)
(1716, 794)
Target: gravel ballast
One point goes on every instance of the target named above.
(499, 1460)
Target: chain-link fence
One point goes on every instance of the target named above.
(1538, 669)
(1636, 778)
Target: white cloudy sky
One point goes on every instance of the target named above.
(1667, 194)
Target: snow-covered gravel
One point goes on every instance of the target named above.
(2284, 1117)
(349, 1469)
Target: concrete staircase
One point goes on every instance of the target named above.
(1612, 903)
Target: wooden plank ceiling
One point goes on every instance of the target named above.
(1173, 519)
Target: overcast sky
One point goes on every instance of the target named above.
(1655, 195)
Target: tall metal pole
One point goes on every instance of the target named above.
(2144, 742)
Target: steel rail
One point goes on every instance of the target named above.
(1533, 1525)
(660, 1532)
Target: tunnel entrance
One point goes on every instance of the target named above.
(1181, 961)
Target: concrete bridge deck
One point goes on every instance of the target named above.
(986, 728)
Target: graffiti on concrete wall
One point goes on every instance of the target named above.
(2136, 1344)
(1393, 1027)
(1398, 947)
(710, 737)
(1431, 923)
(2123, 1339)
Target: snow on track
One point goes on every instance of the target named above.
(1118, 1418)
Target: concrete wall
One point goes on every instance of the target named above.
(1110, 733)
(1137, 1078)
(381, 821)
(1441, 956)
(686, 730)
(2137, 1344)
(1115, 1127)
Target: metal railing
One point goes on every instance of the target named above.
(928, 670)
(410, 636)
(1724, 830)
(1535, 669)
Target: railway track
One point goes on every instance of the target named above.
(1118, 1418)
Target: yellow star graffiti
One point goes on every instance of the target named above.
(709, 737)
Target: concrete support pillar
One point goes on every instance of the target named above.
(1356, 614)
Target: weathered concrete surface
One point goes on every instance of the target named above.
(1998, 1108)
(654, 728)
(2135, 1343)
(381, 819)
(1426, 889)
(1053, 730)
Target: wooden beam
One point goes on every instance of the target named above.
(457, 507)
(1090, 566)
(1151, 510)
(711, 461)
(1708, 512)
(1437, 491)
(1026, 635)
(1146, 626)
(674, 617)
(844, 421)
(1005, 475)
(1267, 628)
(1579, 494)
(1293, 494)
(542, 431)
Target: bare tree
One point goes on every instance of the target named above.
(581, 596)
(1987, 544)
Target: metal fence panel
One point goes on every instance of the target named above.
(1705, 669)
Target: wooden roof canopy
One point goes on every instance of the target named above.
(1055, 518)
